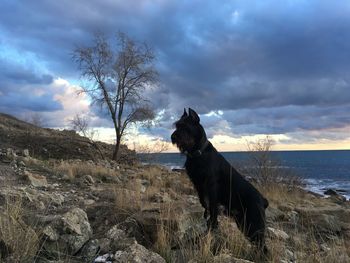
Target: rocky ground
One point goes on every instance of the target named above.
(100, 211)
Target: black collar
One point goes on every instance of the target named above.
(198, 152)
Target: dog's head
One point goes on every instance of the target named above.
(189, 133)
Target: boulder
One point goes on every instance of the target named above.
(67, 233)
(137, 253)
(277, 233)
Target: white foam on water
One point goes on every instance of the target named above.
(320, 185)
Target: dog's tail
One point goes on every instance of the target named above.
(266, 203)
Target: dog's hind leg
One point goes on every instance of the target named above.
(256, 230)
(252, 224)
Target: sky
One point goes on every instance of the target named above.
(249, 68)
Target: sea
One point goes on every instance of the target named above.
(320, 170)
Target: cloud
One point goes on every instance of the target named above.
(273, 67)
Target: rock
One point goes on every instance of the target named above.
(138, 230)
(89, 250)
(137, 253)
(335, 196)
(25, 153)
(88, 180)
(228, 258)
(339, 199)
(289, 256)
(118, 239)
(330, 192)
(276, 233)
(51, 233)
(21, 164)
(10, 153)
(110, 179)
(35, 179)
(57, 199)
(89, 202)
(324, 247)
(191, 225)
(67, 233)
(76, 221)
(106, 258)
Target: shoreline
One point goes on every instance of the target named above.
(309, 187)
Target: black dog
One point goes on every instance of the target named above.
(218, 183)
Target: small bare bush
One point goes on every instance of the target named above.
(265, 168)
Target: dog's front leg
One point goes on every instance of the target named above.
(212, 222)
(204, 200)
(206, 207)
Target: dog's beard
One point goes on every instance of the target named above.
(185, 145)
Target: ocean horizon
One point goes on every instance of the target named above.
(319, 169)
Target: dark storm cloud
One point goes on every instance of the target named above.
(272, 66)
(12, 73)
(24, 90)
(23, 100)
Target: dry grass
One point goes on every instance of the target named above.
(19, 240)
(77, 169)
(127, 201)
(305, 242)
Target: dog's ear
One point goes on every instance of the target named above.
(193, 115)
(185, 113)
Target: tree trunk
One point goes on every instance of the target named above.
(116, 149)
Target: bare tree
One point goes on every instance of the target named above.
(81, 124)
(118, 76)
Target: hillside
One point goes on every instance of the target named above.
(45, 143)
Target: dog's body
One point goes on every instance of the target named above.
(218, 183)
